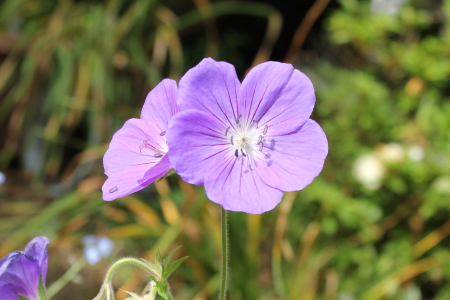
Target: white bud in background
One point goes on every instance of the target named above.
(442, 185)
(388, 7)
(416, 153)
(369, 170)
(391, 152)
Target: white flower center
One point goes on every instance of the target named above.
(246, 137)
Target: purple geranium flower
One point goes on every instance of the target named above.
(20, 271)
(246, 142)
(137, 153)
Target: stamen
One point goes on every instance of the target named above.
(157, 155)
(265, 129)
(232, 143)
(256, 123)
(261, 146)
(114, 189)
(260, 139)
(242, 151)
(238, 118)
(226, 131)
(162, 133)
(236, 153)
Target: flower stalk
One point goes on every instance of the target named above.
(225, 248)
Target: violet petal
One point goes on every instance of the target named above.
(236, 185)
(293, 106)
(211, 87)
(160, 104)
(196, 139)
(291, 162)
(131, 161)
(262, 87)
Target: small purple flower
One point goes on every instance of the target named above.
(20, 271)
(137, 153)
(249, 142)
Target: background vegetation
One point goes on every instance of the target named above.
(373, 225)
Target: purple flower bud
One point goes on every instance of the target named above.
(20, 270)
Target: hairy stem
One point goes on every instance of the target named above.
(126, 261)
(224, 275)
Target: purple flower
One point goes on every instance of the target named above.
(249, 142)
(20, 271)
(137, 153)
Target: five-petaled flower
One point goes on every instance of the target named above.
(21, 271)
(249, 142)
(137, 153)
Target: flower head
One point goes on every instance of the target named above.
(137, 153)
(20, 271)
(249, 142)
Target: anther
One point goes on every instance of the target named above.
(242, 151)
(114, 189)
(256, 123)
(238, 118)
(162, 133)
(226, 131)
(261, 146)
(236, 153)
(232, 143)
(260, 139)
(265, 129)
(157, 155)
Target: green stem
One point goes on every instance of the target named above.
(126, 260)
(66, 278)
(153, 292)
(41, 290)
(224, 275)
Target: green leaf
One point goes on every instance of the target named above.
(167, 259)
(172, 267)
(154, 279)
(159, 261)
(23, 297)
(162, 289)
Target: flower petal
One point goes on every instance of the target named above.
(196, 139)
(293, 106)
(130, 162)
(9, 292)
(290, 162)
(160, 104)
(262, 87)
(37, 248)
(234, 184)
(211, 87)
(131, 180)
(21, 272)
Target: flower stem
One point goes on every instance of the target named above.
(224, 275)
(125, 261)
(66, 278)
(153, 293)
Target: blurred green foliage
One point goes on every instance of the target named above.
(373, 225)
